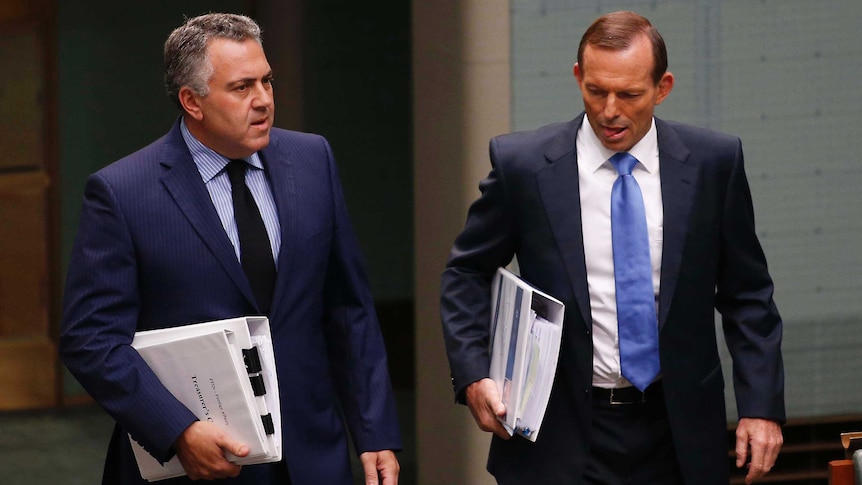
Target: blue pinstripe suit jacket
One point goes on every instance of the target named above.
(150, 252)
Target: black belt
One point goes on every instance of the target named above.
(628, 395)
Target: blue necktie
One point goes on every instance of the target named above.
(636, 315)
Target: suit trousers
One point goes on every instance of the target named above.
(631, 443)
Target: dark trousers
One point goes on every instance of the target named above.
(631, 444)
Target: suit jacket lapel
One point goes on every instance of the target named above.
(276, 160)
(678, 185)
(183, 182)
(558, 186)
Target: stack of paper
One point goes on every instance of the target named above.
(224, 372)
(526, 330)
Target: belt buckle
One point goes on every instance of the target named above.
(614, 403)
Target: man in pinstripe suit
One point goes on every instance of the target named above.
(158, 246)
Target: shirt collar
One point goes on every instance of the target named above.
(208, 162)
(596, 155)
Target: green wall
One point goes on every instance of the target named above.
(356, 92)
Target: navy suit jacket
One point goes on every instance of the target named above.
(151, 252)
(711, 259)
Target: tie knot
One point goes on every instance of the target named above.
(236, 171)
(624, 162)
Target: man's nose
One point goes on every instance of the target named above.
(262, 96)
(610, 110)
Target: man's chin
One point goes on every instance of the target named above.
(617, 145)
(260, 142)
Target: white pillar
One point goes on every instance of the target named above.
(461, 96)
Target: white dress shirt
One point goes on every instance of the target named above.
(596, 176)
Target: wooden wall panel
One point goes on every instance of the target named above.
(27, 354)
(28, 170)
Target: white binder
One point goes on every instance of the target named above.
(526, 330)
(224, 372)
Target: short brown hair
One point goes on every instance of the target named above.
(617, 30)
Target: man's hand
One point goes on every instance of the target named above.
(763, 437)
(381, 467)
(201, 450)
(484, 402)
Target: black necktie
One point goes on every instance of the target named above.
(254, 247)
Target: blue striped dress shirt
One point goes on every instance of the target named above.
(211, 167)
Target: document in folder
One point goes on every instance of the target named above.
(526, 330)
(224, 372)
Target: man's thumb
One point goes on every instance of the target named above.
(499, 409)
(235, 447)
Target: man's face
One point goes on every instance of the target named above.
(619, 92)
(235, 118)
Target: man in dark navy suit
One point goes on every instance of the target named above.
(547, 201)
(159, 245)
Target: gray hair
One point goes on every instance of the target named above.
(186, 59)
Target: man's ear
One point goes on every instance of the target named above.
(576, 70)
(665, 85)
(189, 101)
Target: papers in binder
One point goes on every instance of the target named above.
(526, 329)
(224, 372)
